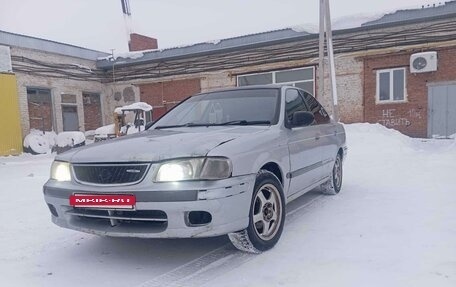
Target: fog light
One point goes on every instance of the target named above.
(198, 218)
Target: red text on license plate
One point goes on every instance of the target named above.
(103, 200)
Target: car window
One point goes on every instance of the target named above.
(244, 105)
(320, 114)
(293, 103)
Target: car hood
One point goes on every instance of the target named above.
(157, 145)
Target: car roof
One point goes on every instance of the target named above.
(252, 87)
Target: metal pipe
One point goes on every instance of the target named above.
(321, 53)
(332, 65)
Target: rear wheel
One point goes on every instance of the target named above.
(334, 184)
(266, 217)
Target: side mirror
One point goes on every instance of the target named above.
(302, 119)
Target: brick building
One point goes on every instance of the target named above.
(373, 69)
(59, 87)
(63, 87)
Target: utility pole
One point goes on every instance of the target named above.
(326, 30)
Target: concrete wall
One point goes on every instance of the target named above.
(112, 95)
(58, 86)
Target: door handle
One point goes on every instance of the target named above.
(317, 137)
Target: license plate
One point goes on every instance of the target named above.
(120, 201)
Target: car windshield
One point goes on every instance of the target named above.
(235, 107)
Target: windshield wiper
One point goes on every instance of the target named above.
(180, 126)
(233, 123)
(244, 123)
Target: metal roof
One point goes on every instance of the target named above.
(214, 47)
(17, 40)
(253, 41)
(410, 14)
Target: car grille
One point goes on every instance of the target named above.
(110, 174)
(147, 221)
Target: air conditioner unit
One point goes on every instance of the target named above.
(423, 62)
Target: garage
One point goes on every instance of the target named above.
(442, 110)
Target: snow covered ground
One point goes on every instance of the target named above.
(393, 224)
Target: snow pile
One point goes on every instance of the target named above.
(70, 139)
(104, 131)
(135, 106)
(360, 136)
(89, 134)
(38, 142)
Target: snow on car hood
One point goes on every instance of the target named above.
(156, 145)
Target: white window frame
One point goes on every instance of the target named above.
(391, 73)
(283, 83)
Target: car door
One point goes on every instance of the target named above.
(303, 146)
(327, 133)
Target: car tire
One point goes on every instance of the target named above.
(266, 216)
(334, 183)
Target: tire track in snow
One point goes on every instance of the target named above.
(216, 262)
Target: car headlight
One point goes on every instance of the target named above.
(203, 168)
(60, 171)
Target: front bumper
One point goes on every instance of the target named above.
(161, 211)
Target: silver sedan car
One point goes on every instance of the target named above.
(224, 162)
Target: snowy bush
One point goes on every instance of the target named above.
(38, 142)
(68, 140)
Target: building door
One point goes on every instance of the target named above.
(442, 110)
(70, 118)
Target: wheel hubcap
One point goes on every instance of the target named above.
(267, 212)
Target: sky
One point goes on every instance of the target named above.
(100, 24)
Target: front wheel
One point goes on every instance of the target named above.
(334, 183)
(266, 217)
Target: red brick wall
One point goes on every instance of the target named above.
(40, 116)
(165, 95)
(410, 117)
(140, 42)
(92, 111)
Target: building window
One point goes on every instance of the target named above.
(40, 109)
(391, 85)
(302, 78)
(91, 104)
(68, 99)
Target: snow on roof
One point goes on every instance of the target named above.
(355, 21)
(208, 47)
(135, 106)
(125, 55)
(447, 8)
